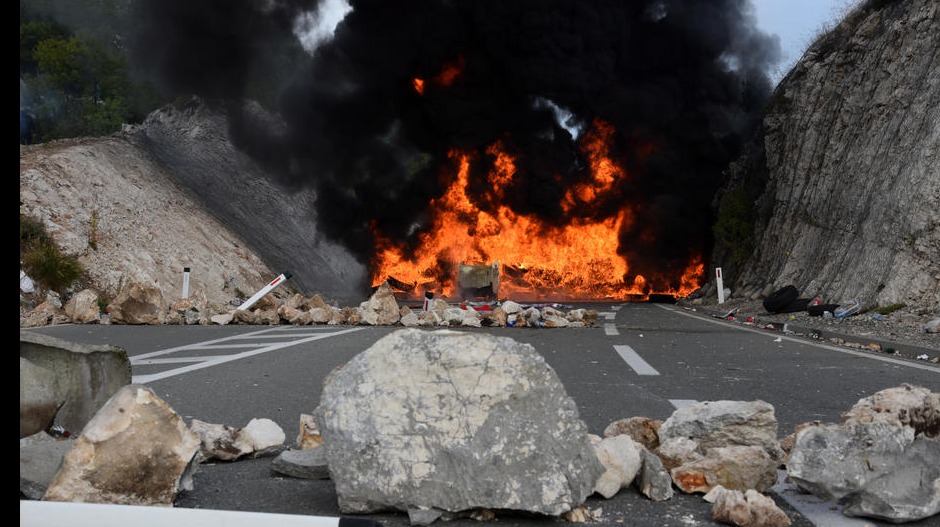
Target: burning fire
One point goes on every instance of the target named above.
(446, 77)
(577, 261)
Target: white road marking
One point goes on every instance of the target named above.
(207, 362)
(202, 358)
(608, 315)
(610, 329)
(725, 323)
(617, 307)
(633, 359)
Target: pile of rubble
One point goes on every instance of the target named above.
(142, 304)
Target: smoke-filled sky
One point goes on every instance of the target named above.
(795, 22)
(681, 81)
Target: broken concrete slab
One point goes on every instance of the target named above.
(83, 377)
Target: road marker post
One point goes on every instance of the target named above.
(185, 283)
(265, 290)
(721, 286)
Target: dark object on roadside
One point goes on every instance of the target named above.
(817, 310)
(399, 285)
(781, 298)
(478, 281)
(800, 304)
(514, 271)
(661, 298)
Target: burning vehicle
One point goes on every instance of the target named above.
(478, 281)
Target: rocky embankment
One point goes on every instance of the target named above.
(843, 182)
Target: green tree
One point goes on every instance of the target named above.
(59, 59)
(76, 83)
(734, 228)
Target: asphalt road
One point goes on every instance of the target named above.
(640, 360)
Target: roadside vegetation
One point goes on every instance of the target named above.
(76, 82)
(77, 78)
(734, 229)
(44, 261)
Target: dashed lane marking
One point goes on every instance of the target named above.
(608, 315)
(198, 363)
(610, 329)
(633, 359)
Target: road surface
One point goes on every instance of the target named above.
(639, 360)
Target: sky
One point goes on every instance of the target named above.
(797, 23)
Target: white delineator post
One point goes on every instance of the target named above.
(428, 295)
(185, 283)
(721, 286)
(265, 290)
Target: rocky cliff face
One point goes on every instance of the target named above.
(104, 200)
(173, 192)
(845, 178)
(189, 140)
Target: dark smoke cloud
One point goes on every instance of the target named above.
(682, 81)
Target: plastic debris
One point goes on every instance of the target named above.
(57, 430)
(847, 309)
(26, 283)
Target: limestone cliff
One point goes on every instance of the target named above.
(173, 192)
(844, 179)
(190, 140)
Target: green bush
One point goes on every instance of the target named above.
(887, 310)
(54, 270)
(42, 259)
(104, 300)
(32, 232)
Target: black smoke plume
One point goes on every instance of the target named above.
(682, 82)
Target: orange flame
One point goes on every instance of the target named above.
(578, 261)
(606, 173)
(449, 73)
